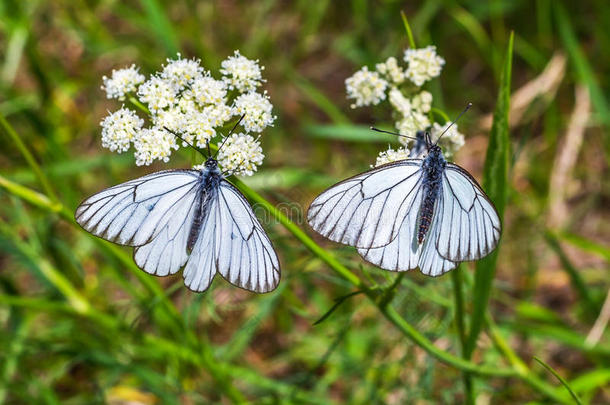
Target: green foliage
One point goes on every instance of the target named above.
(495, 183)
(82, 324)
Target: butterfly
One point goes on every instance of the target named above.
(424, 212)
(194, 219)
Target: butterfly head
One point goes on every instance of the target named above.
(211, 164)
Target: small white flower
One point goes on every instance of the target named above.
(153, 143)
(119, 129)
(241, 73)
(179, 73)
(451, 141)
(391, 70)
(218, 114)
(366, 87)
(400, 102)
(410, 124)
(422, 102)
(157, 94)
(207, 90)
(241, 154)
(391, 155)
(424, 64)
(197, 128)
(173, 118)
(122, 82)
(256, 109)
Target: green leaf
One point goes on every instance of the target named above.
(350, 133)
(495, 183)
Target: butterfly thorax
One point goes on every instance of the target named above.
(433, 168)
(209, 182)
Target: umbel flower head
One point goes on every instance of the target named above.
(185, 100)
(411, 105)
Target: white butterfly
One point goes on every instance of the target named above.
(195, 218)
(423, 212)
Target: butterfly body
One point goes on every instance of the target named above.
(433, 168)
(209, 182)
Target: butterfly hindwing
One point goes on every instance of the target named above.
(367, 210)
(244, 254)
(469, 226)
(405, 253)
(232, 242)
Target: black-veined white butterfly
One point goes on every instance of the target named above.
(423, 212)
(190, 218)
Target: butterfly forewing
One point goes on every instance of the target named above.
(133, 213)
(366, 211)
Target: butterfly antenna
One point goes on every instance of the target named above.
(185, 141)
(392, 133)
(228, 135)
(454, 121)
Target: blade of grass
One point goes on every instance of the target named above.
(560, 378)
(584, 70)
(495, 182)
(349, 133)
(408, 29)
(42, 178)
(576, 280)
(161, 26)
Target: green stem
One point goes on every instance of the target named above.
(44, 182)
(520, 367)
(456, 279)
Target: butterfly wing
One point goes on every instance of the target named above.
(233, 242)
(167, 252)
(135, 212)
(405, 253)
(468, 226)
(367, 210)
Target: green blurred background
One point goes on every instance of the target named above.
(81, 324)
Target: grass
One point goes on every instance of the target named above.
(82, 324)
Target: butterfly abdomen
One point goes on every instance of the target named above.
(433, 168)
(208, 190)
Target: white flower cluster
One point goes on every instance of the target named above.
(367, 88)
(451, 141)
(184, 100)
(411, 104)
(241, 154)
(391, 155)
(122, 82)
(424, 64)
(241, 73)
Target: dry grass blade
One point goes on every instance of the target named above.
(566, 157)
(544, 86)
